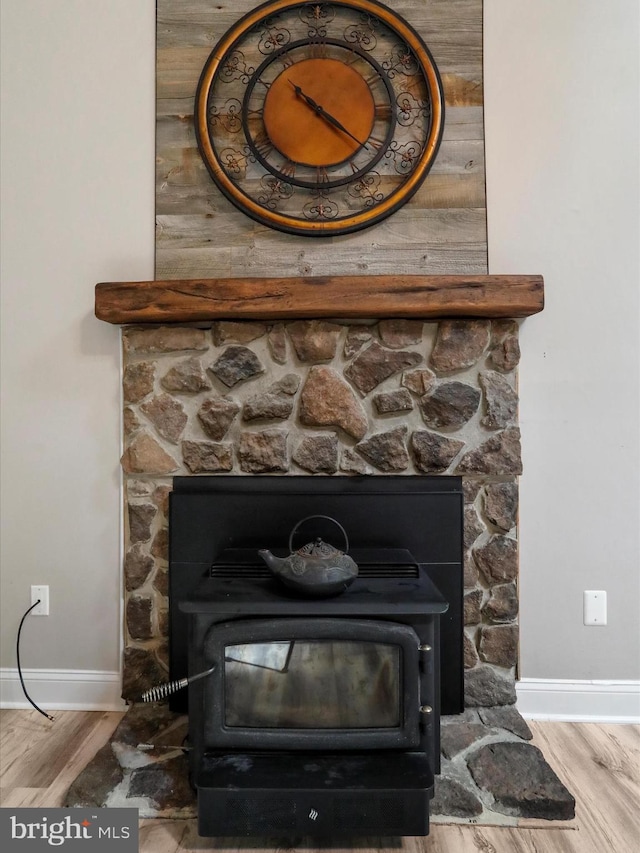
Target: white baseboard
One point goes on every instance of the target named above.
(538, 698)
(579, 701)
(62, 689)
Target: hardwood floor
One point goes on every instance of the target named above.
(600, 764)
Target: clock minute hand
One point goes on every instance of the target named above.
(324, 114)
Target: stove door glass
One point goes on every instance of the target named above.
(312, 684)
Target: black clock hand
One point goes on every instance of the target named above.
(324, 114)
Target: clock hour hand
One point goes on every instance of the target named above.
(324, 114)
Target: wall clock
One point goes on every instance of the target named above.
(319, 118)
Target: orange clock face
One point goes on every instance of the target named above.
(319, 112)
(319, 118)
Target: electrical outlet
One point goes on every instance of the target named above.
(595, 607)
(42, 593)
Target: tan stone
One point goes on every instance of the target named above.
(145, 456)
(137, 381)
(236, 332)
(398, 333)
(314, 340)
(164, 339)
(167, 415)
(327, 400)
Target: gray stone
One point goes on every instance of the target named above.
(434, 453)
(137, 381)
(471, 575)
(138, 489)
(452, 799)
(327, 400)
(499, 455)
(398, 333)
(263, 452)
(504, 351)
(470, 489)
(207, 457)
(277, 341)
(450, 405)
(140, 520)
(470, 653)
(130, 422)
(160, 497)
(508, 718)
(236, 364)
(164, 339)
(419, 381)
(459, 344)
(486, 686)
(216, 416)
(166, 784)
(502, 606)
(318, 454)
(497, 559)
(167, 415)
(387, 451)
(268, 406)
(236, 331)
(357, 337)
(138, 616)
(501, 504)
(393, 401)
(141, 671)
(289, 384)
(499, 644)
(376, 363)
(473, 527)
(351, 463)
(520, 781)
(314, 340)
(150, 723)
(501, 400)
(186, 377)
(92, 786)
(471, 607)
(145, 456)
(160, 544)
(455, 737)
(161, 581)
(137, 567)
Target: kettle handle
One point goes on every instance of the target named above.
(328, 518)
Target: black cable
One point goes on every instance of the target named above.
(44, 713)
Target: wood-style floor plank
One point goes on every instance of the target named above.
(600, 764)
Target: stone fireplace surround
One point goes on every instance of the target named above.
(332, 397)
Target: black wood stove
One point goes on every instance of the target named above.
(316, 716)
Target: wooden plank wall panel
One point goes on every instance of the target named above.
(199, 234)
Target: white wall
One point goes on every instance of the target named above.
(562, 117)
(77, 208)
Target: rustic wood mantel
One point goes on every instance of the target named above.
(348, 297)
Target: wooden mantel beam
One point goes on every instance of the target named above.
(348, 297)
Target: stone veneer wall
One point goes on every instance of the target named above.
(327, 398)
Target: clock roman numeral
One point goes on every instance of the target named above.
(288, 168)
(263, 145)
(322, 176)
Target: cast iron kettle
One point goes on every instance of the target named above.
(317, 569)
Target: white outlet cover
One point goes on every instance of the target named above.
(595, 607)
